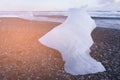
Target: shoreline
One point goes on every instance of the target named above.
(23, 57)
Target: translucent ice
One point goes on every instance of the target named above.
(73, 40)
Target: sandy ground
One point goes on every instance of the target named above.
(22, 57)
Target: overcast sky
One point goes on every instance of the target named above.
(45, 5)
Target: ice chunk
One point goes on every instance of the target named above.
(73, 40)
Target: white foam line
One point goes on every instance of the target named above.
(8, 16)
(29, 17)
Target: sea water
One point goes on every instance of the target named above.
(105, 19)
(108, 22)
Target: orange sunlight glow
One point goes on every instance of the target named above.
(20, 50)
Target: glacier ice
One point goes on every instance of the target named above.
(73, 40)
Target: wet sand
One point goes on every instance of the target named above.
(22, 57)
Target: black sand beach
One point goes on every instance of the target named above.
(22, 57)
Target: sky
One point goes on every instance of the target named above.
(48, 5)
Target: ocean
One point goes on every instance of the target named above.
(107, 19)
